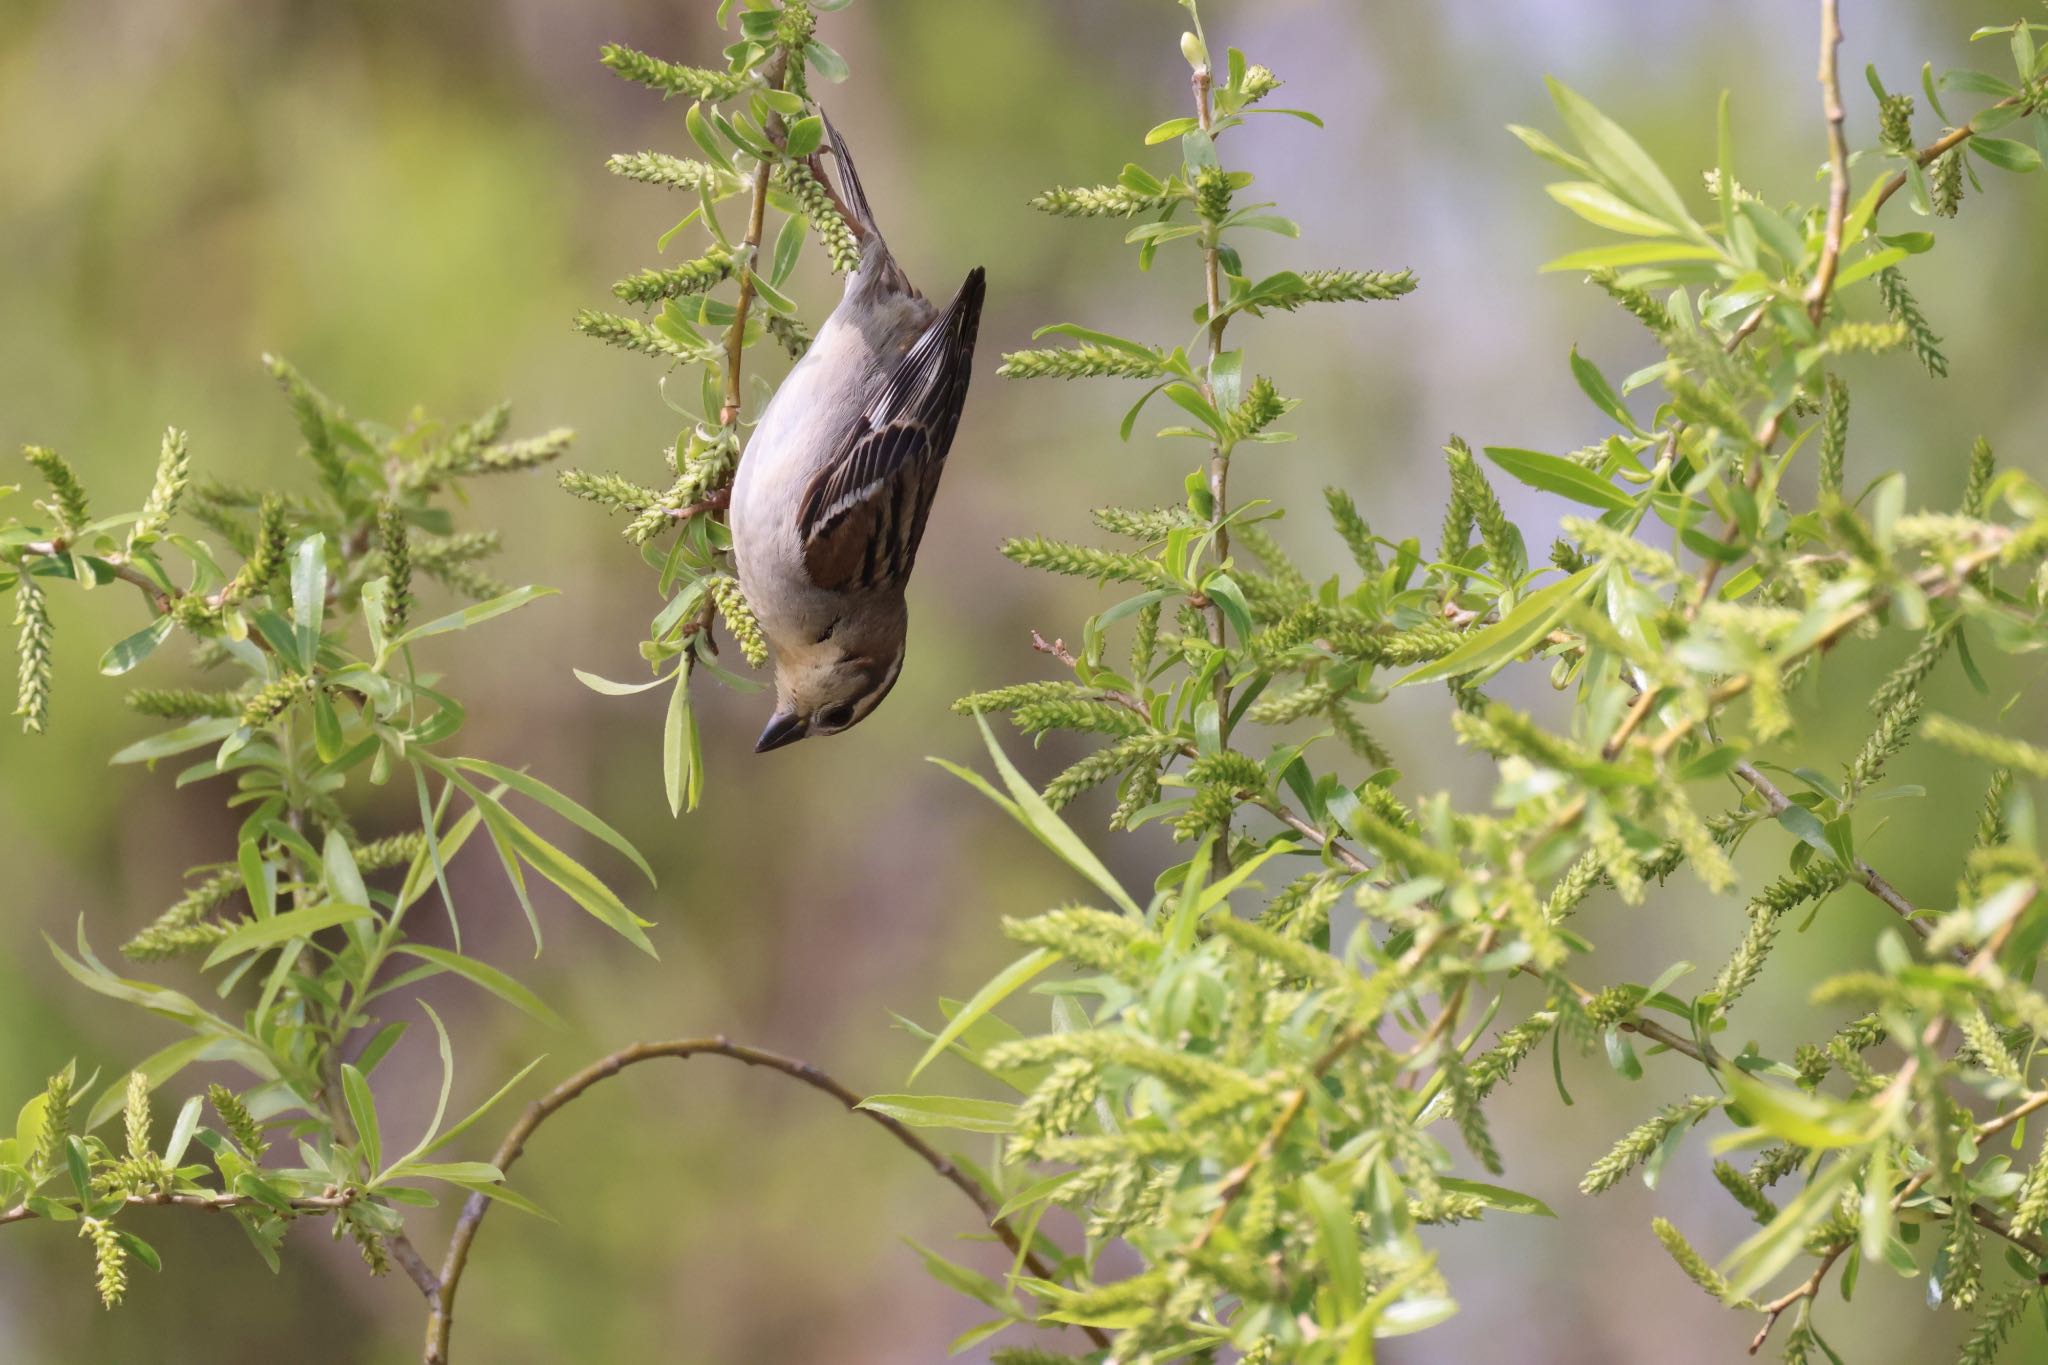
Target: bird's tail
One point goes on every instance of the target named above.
(852, 198)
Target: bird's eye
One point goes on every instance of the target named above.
(836, 717)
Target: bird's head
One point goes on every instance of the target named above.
(830, 685)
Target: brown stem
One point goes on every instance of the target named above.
(207, 1203)
(1776, 802)
(757, 217)
(1838, 161)
(472, 1216)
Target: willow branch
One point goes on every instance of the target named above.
(1867, 877)
(537, 1113)
(1838, 161)
(312, 1204)
(757, 218)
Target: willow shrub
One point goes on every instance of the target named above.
(1260, 1098)
(302, 608)
(1244, 1084)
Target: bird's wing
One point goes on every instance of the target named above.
(864, 512)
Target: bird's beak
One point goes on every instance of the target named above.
(784, 727)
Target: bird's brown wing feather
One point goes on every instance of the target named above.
(864, 513)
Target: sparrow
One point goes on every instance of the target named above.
(833, 490)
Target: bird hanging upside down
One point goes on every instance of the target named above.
(833, 491)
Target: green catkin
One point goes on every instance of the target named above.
(1690, 1261)
(1635, 301)
(1991, 832)
(652, 286)
(671, 78)
(273, 699)
(1977, 489)
(1098, 201)
(1352, 527)
(1894, 731)
(1262, 406)
(242, 1126)
(1744, 1191)
(67, 501)
(1637, 1144)
(1085, 561)
(834, 233)
(394, 548)
(317, 417)
(1145, 525)
(185, 926)
(173, 472)
(32, 673)
(1905, 310)
(1834, 435)
(1997, 1321)
(791, 335)
(1089, 360)
(1348, 286)
(1994, 749)
(1498, 1062)
(1904, 681)
(1895, 124)
(1965, 1261)
(1212, 193)
(266, 558)
(48, 1157)
(110, 1259)
(1470, 1117)
(629, 334)
(739, 618)
(1145, 640)
(1104, 764)
(1872, 338)
(659, 168)
(1472, 490)
(1947, 183)
(182, 703)
(1816, 880)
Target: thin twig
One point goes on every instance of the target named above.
(472, 1216)
(209, 1203)
(1838, 161)
(1776, 802)
(757, 218)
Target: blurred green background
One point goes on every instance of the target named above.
(409, 201)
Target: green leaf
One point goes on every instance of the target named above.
(577, 815)
(156, 1068)
(1029, 808)
(1596, 387)
(806, 135)
(2006, 154)
(344, 878)
(1517, 633)
(184, 739)
(420, 1148)
(1555, 474)
(1004, 984)
(490, 978)
(1753, 1264)
(605, 687)
(133, 650)
(943, 1111)
(474, 615)
(1497, 1196)
(362, 1112)
(1619, 158)
(1337, 1242)
(1806, 1120)
(457, 1130)
(1632, 253)
(268, 933)
(1602, 207)
(678, 746)
(309, 596)
(579, 882)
